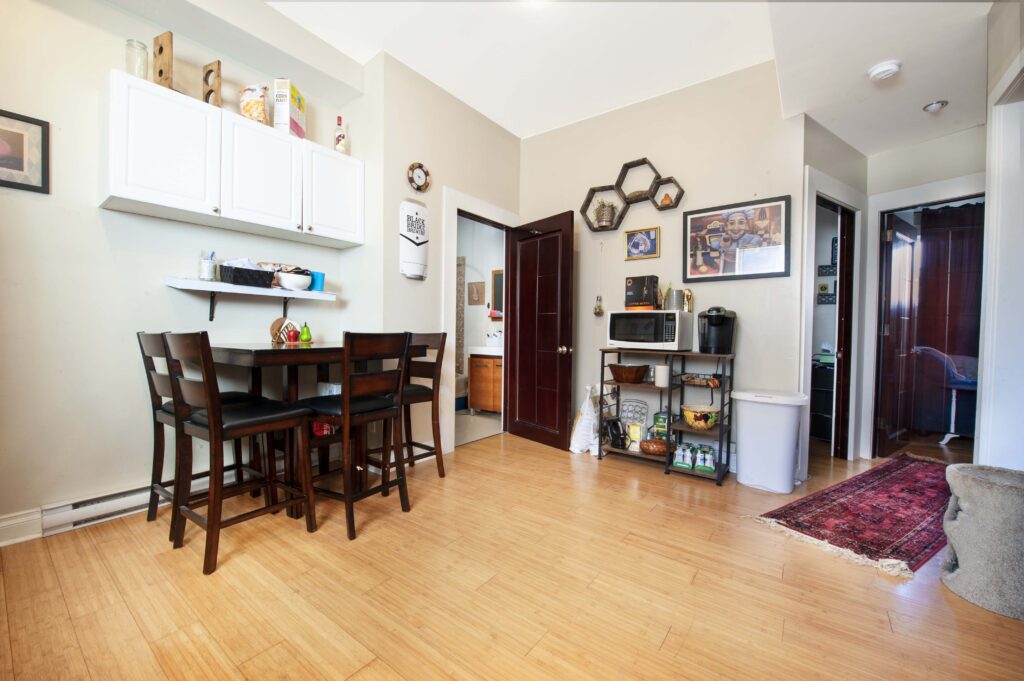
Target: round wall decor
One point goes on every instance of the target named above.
(419, 177)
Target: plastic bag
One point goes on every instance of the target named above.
(584, 434)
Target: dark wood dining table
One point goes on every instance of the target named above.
(291, 356)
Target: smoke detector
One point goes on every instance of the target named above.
(936, 106)
(884, 69)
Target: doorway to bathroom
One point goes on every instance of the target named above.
(479, 329)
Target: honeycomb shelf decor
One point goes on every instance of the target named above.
(604, 192)
(637, 181)
(666, 193)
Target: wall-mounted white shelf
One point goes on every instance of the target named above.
(217, 287)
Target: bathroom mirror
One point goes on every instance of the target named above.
(497, 294)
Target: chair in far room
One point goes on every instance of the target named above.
(960, 377)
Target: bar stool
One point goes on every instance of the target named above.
(366, 396)
(210, 420)
(415, 393)
(160, 389)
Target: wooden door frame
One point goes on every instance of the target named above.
(454, 201)
(842, 390)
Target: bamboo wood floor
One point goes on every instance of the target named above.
(524, 563)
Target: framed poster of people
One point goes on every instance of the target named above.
(741, 241)
(24, 153)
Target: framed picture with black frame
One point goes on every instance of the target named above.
(748, 240)
(24, 153)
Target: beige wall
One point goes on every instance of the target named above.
(956, 155)
(725, 142)
(462, 149)
(834, 157)
(79, 281)
(1005, 37)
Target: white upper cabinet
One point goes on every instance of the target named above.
(175, 157)
(332, 194)
(164, 146)
(260, 174)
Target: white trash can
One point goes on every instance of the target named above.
(767, 430)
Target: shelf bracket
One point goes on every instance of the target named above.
(284, 307)
(213, 303)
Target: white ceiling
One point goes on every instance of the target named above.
(536, 66)
(823, 52)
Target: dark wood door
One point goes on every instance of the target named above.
(844, 335)
(538, 330)
(896, 333)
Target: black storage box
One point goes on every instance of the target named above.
(246, 277)
(642, 291)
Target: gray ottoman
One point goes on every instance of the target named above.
(985, 527)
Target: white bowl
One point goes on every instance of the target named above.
(294, 282)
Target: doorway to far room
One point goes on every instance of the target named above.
(480, 329)
(930, 324)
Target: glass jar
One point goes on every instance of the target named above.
(136, 59)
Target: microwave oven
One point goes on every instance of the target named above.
(651, 329)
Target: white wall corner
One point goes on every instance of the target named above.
(21, 526)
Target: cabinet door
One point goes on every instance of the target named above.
(164, 146)
(261, 174)
(332, 194)
(496, 376)
(481, 387)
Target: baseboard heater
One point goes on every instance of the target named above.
(59, 518)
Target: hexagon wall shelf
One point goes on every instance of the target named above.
(639, 171)
(666, 193)
(591, 195)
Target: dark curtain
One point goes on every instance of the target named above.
(948, 312)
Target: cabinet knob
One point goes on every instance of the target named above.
(298, 227)
(562, 350)
(309, 228)
(216, 209)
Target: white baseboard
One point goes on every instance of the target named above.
(21, 526)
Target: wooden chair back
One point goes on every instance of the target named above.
(195, 393)
(383, 347)
(160, 384)
(427, 368)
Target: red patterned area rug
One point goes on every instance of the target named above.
(889, 517)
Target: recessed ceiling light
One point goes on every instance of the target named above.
(936, 106)
(884, 69)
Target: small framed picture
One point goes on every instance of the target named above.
(475, 293)
(643, 243)
(24, 153)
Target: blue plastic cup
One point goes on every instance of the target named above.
(318, 281)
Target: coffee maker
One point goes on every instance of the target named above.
(716, 330)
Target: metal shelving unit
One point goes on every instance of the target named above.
(611, 397)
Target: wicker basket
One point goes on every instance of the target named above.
(629, 373)
(654, 447)
(246, 277)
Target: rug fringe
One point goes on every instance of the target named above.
(890, 566)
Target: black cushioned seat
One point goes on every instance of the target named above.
(414, 391)
(330, 405)
(225, 399)
(244, 415)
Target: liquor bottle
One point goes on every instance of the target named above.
(340, 138)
